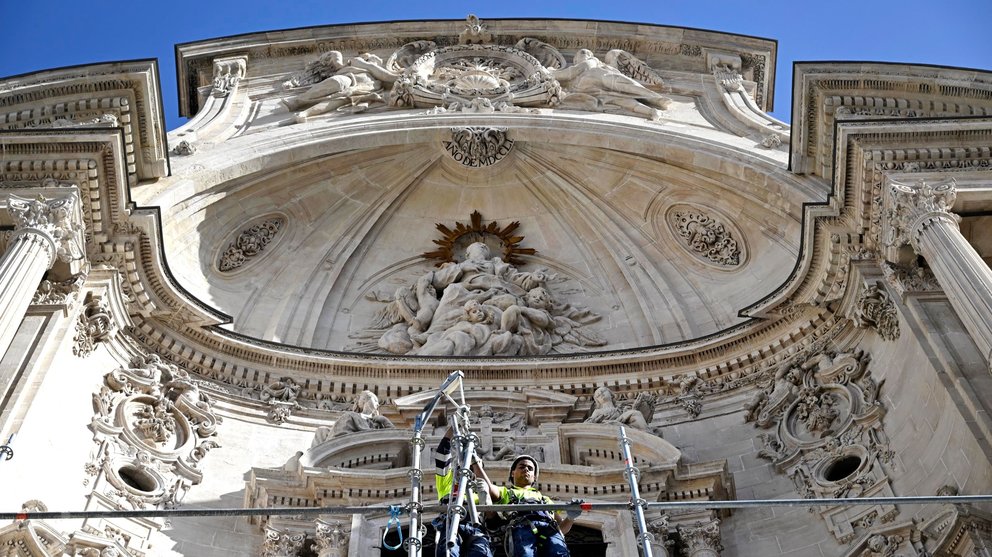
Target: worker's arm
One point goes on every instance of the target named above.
(495, 491)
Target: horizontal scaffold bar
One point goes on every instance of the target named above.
(383, 509)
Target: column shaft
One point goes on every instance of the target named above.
(22, 267)
(965, 277)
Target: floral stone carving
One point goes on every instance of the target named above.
(250, 243)
(95, 325)
(826, 433)
(874, 309)
(152, 427)
(705, 237)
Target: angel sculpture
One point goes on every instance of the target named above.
(637, 415)
(597, 85)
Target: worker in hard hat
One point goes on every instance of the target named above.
(472, 541)
(531, 532)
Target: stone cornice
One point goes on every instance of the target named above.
(849, 226)
(825, 92)
(672, 48)
(116, 94)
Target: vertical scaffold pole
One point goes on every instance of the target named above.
(414, 507)
(637, 504)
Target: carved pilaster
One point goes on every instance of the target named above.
(701, 540)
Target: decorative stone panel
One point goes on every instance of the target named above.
(707, 237)
(249, 244)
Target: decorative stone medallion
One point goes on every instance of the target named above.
(250, 243)
(705, 237)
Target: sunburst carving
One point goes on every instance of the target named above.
(499, 239)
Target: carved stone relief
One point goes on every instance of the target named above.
(250, 243)
(479, 306)
(478, 147)
(152, 427)
(606, 411)
(57, 292)
(364, 417)
(704, 236)
(57, 218)
(874, 309)
(825, 419)
(476, 71)
(94, 325)
(282, 544)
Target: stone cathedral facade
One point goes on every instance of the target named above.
(597, 222)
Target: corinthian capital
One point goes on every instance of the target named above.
(701, 539)
(913, 207)
(54, 218)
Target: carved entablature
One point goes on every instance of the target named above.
(152, 427)
(825, 420)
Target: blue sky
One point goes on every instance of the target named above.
(48, 33)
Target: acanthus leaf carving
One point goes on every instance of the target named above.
(56, 218)
(874, 309)
(95, 325)
(705, 237)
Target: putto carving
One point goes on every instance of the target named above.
(480, 306)
(250, 243)
(826, 421)
(56, 218)
(705, 237)
(477, 147)
(184, 148)
(914, 206)
(874, 309)
(592, 84)
(95, 325)
(606, 411)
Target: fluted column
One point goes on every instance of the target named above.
(701, 540)
(44, 230)
(919, 215)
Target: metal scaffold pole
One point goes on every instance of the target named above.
(636, 503)
(466, 443)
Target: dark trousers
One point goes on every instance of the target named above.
(546, 542)
(471, 541)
